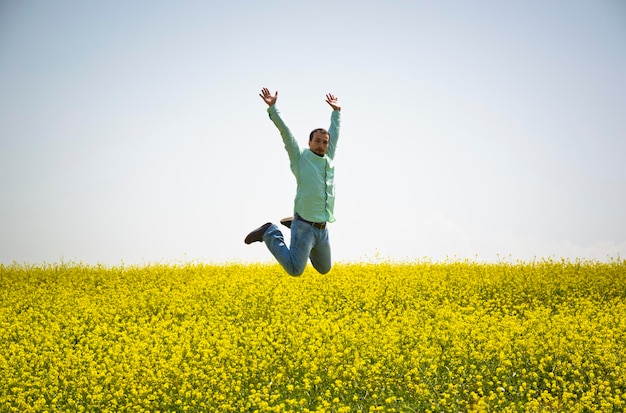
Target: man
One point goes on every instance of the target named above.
(315, 196)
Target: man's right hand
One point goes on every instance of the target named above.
(267, 96)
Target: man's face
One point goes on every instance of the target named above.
(319, 143)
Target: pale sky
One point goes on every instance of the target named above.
(132, 131)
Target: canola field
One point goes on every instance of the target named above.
(456, 336)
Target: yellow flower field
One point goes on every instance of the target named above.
(456, 336)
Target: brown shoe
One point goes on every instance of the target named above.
(257, 234)
(287, 222)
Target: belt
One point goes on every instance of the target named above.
(320, 225)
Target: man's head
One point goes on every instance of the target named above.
(318, 141)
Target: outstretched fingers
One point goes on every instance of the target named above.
(333, 101)
(266, 95)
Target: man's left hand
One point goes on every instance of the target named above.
(333, 101)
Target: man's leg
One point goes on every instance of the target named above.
(293, 258)
(320, 253)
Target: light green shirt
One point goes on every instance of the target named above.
(315, 175)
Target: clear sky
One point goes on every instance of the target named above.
(133, 131)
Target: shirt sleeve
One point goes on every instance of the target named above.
(291, 145)
(333, 132)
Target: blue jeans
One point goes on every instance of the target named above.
(306, 242)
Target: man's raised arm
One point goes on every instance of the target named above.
(291, 146)
(335, 124)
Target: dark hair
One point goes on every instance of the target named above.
(322, 130)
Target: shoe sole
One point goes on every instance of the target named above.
(287, 222)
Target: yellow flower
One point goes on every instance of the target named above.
(457, 336)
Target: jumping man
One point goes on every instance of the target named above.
(315, 195)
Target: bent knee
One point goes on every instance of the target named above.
(323, 270)
(295, 271)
